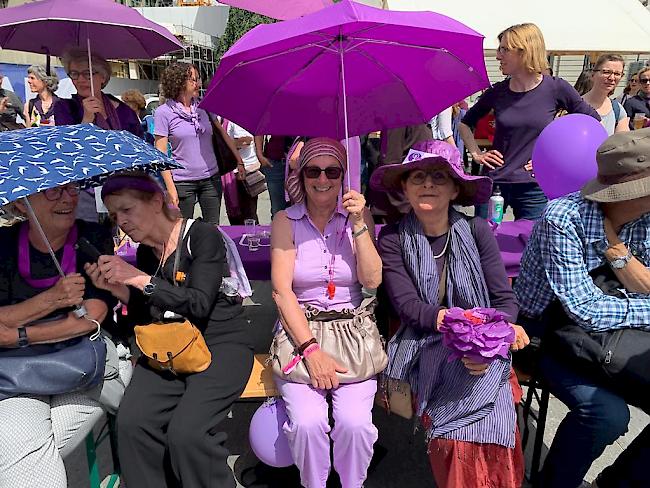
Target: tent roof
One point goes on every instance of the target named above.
(569, 26)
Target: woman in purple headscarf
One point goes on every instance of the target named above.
(86, 107)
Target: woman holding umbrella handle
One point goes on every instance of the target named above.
(43, 429)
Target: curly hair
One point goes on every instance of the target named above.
(173, 79)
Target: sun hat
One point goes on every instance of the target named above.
(473, 190)
(623, 168)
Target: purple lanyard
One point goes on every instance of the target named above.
(68, 263)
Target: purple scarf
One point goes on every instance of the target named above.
(192, 116)
(112, 120)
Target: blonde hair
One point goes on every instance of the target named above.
(529, 40)
(134, 99)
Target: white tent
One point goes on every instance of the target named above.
(569, 26)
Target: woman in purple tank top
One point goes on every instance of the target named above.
(318, 260)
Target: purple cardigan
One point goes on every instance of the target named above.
(404, 296)
(69, 111)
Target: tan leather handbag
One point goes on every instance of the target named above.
(178, 347)
(350, 337)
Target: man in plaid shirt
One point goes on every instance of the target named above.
(607, 223)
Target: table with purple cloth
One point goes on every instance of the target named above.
(511, 237)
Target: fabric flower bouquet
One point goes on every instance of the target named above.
(480, 334)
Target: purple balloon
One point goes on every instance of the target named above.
(564, 156)
(266, 437)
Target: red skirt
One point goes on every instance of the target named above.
(461, 464)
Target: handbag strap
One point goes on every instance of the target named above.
(179, 248)
(442, 284)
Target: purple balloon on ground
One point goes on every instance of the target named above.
(564, 156)
(266, 437)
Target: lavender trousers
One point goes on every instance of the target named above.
(308, 431)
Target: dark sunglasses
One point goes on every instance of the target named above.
(643, 81)
(331, 172)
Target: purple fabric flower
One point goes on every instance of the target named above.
(481, 334)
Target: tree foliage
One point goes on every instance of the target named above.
(239, 23)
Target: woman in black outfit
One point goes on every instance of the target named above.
(168, 426)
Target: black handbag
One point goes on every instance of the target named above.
(619, 358)
(227, 159)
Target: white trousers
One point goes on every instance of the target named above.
(37, 432)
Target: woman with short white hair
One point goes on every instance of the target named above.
(90, 104)
(40, 110)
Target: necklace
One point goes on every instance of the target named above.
(444, 249)
(68, 261)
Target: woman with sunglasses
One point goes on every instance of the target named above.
(605, 75)
(322, 254)
(524, 104)
(638, 106)
(436, 259)
(630, 89)
(86, 107)
(36, 306)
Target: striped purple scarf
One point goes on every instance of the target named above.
(460, 406)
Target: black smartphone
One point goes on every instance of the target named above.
(87, 248)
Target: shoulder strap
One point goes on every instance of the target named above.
(30, 106)
(617, 111)
(179, 248)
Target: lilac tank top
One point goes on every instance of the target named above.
(315, 253)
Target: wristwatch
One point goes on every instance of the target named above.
(620, 262)
(23, 341)
(149, 288)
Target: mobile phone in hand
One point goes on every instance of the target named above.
(88, 250)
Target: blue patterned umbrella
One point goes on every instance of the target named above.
(35, 159)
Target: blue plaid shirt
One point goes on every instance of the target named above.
(567, 243)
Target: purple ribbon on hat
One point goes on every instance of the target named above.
(480, 334)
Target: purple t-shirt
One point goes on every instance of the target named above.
(191, 149)
(520, 118)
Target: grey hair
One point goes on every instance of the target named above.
(80, 55)
(51, 81)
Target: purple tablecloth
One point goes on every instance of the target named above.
(511, 237)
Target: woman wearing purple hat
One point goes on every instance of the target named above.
(434, 259)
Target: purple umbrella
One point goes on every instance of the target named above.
(52, 26)
(280, 9)
(347, 70)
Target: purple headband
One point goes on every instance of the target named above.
(129, 182)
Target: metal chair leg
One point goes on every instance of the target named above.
(93, 466)
(539, 436)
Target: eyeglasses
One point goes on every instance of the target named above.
(53, 194)
(85, 74)
(331, 172)
(439, 177)
(643, 81)
(608, 72)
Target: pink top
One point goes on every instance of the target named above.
(315, 253)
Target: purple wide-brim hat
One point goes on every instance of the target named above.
(473, 190)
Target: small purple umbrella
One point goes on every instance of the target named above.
(347, 70)
(52, 26)
(280, 9)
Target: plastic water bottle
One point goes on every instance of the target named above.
(495, 207)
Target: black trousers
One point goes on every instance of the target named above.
(168, 426)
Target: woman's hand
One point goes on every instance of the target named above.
(474, 368)
(92, 106)
(99, 280)
(521, 338)
(491, 159)
(68, 291)
(354, 203)
(241, 172)
(116, 271)
(322, 370)
(173, 196)
(440, 317)
(8, 336)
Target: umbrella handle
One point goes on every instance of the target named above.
(345, 117)
(90, 65)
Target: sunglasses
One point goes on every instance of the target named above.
(643, 81)
(331, 172)
(53, 194)
(439, 177)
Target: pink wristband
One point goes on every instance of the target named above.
(309, 350)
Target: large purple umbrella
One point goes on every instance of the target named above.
(347, 70)
(115, 30)
(280, 9)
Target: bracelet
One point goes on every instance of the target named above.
(360, 231)
(23, 340)
(301, 349)
(314, 347)
(300, 354)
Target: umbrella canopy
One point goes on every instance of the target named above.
(280, 9)
(115, 30)
(391, 69)
(33, 160)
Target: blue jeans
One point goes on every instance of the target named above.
(275, 183)
(206, 191)
(596, 418)
(526, 199)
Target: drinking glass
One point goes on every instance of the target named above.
(639, 120)
(249, 225)
(253, 243)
